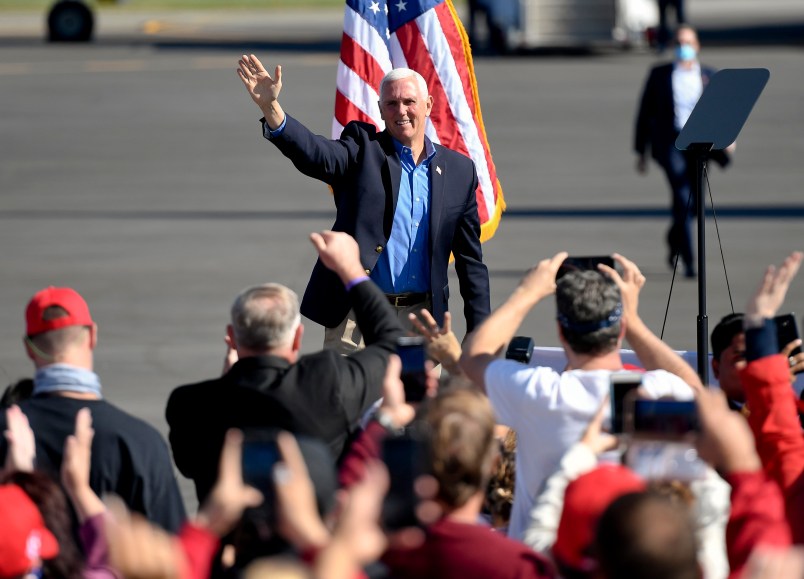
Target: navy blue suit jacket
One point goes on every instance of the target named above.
(364, 171)
(655, 123)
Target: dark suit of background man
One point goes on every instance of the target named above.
(670, 94)
(407, 201)
(271, 386)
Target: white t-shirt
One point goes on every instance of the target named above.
(550, 411)
(687, 89)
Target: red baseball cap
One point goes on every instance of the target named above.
(64, 297)
(24, 538)
(584, 502)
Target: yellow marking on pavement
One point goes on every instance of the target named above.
(153, 27)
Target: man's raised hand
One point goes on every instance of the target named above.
(540, 280)
(772, 290)
(262, 87)
(630, 283)
(340, 253)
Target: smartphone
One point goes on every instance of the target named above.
(520, 348)
(413, 353)
(664, 419)
(787, 331)
(260, 455)
(665, 460)
(621, 384)
(582, 263)
(404, 456)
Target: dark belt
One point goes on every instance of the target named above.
(405, 300)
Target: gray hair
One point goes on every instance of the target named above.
(265, 316)
(587, 297)
(401, 73)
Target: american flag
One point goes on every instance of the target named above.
(427, 36)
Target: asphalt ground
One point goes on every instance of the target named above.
(133, 169)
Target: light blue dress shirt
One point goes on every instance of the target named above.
(404, 265)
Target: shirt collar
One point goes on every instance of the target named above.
(429, 148)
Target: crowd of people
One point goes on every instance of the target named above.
(88, 490)
(322, 465)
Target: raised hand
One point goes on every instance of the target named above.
(442, 344)
(20, 438)
(770, 294)
(78, 453)
(262, 88)
(340, 253)
(230, 496)
(630, 283)
(75, 467)
(595, 437)
(540, 280)
(297, 512)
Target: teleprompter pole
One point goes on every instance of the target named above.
(700, 151)
(714, 124)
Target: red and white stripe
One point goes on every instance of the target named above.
(435, 45)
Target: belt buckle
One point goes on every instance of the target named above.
(396, 300)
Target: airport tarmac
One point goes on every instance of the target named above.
(134, 170)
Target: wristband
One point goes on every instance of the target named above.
(356, 281)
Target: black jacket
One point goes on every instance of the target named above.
(129, 457)
(655, 128)
(321, 395)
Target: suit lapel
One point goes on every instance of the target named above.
(391, 175)
(438, 172)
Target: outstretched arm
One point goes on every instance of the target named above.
(263, 88)
(482, 347)
(766, 379)
(757, 511)
(652, 352)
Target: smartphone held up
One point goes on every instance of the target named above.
(786, 332)
(580, 263)
(412, 351)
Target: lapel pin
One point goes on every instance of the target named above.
(438, 169)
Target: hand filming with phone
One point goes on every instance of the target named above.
(660, 435)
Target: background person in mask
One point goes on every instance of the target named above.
(671, 92)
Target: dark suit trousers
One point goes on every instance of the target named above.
(680, 171)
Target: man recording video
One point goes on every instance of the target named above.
(596, 310)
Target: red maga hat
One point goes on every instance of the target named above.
(64, 297)
(24, 538)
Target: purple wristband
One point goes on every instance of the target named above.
(356, 281)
